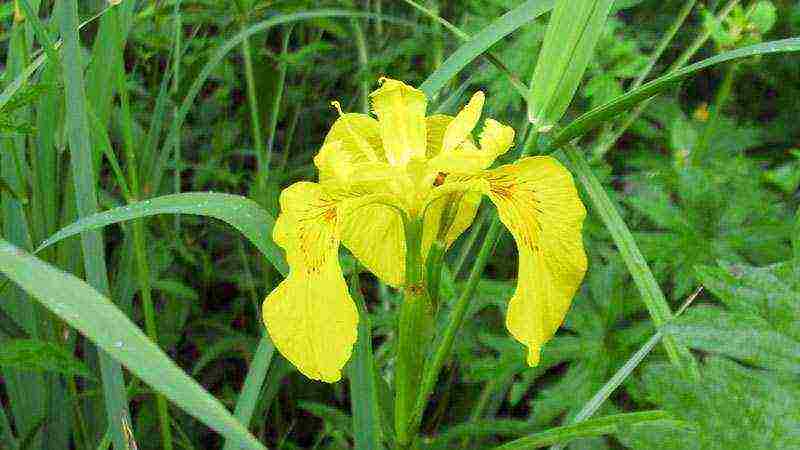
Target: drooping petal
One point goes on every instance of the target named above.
(401, 114)
(537, 201)
(376, 238)
(310, 315)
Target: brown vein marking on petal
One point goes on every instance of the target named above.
(521, 200)
(317, 233)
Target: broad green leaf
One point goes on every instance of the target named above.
(95, 316)
(243, 214)
(745, 337)
(572, 33)
(595, 427)
(41, 356)
(730, 407)
(605, 112)
(482, 41)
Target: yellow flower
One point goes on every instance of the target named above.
(375, 175)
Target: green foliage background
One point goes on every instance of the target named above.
(710, 193)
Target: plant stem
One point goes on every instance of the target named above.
(363, 62)
(140, 248)
(255, 120)
(457, 316)
(723, 94)
(415, 329)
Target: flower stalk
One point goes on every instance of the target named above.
(415, 330)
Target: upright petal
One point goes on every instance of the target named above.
(462, 125)
(310, 315)
(354, 139)
(537, 201)
(401, 114)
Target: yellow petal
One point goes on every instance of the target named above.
(359, 142)
(436, 126)
(376, 238)
(460, 128)
(463, 211)
(401, 114)
(310, 315)
(537, 201)
(496, 138)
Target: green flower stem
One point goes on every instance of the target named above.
(445, 345)
(415, 329)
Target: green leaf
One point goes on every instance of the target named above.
(251, 390)
(243, 214)
(595, 427)
(81, 156)
(643, 277)
(482, 41)
(98, 319)
(605, 112)
(572, 33)
(745, 337)
(41, 356)
(364, 404)
(730, 406)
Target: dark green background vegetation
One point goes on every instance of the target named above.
(707, 179)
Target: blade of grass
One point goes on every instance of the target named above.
(646, 283)
(243, 214)
(138, 234)
(27, 393)
(81, 157)
(253, 383)
(605, 112)
(596, 427)
(482, 41)
(90, 312)
(515, 81)
(283, 67)
(220, 54)
(363, 390)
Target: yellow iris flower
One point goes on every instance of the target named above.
(375, 175)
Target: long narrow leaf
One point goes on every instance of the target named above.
(217, 57)
(83, 176)
(624, 102)
(482, 41)
(643, 277)
(241, 213)
(595, 427)
(95, 316)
